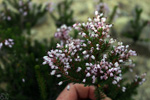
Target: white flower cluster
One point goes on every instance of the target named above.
(24, 7)
(63, 33)
(94, 25)
(23, 10)
(3, 16)
(8, 42)
(93, 58)
(140, 79)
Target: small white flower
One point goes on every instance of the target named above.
(84, 44)
(94, 79)
(123, 89)
(25, 13)
(58, 45)
(96, 13)
(53, 72)
(83, 24)
(23, 80)
(84, 80)
(87, 64)
(114, 82)
(8, 18)
(89, 19)
(60, 83)
(74, 25)
(93, 57)
(103, 19)
(58, 75)
(111, 75)
(127, 46)
(110, 25)
(1, 44)
(101, 14)
(116, 64)
(79, 69)
(84, 52)
(88, 74)
(86, 56)
(121, 61)
(97, 45)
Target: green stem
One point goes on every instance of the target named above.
(97, 93)
(41, 83)
(113, 14)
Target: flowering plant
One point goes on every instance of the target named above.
(65, 13)
(7, 42)
(94, 59)
(24, 13)
(135, 27)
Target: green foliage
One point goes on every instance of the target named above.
(23, 14)
(115, 93)
(41, 83)
(113, 14)
(135, 26)
(21, 66)
(24, 81)
(17, 64)
(65, 14)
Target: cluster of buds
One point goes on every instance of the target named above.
(24, 7)
(8, 42)
(94, 58)
(140, 79)
(63, 33)
(5, 16)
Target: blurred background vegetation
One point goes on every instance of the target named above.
(22, 74)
